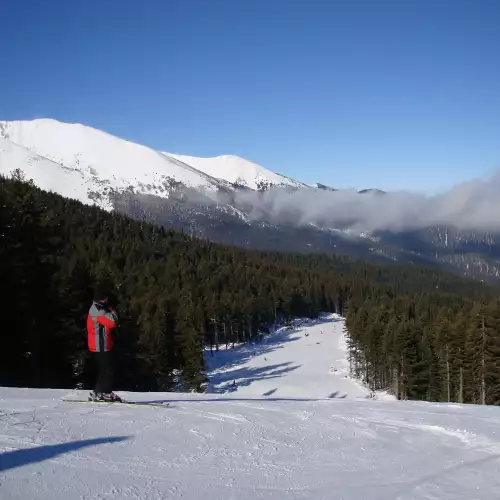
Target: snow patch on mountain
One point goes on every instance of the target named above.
(75, 183)
(237, 170)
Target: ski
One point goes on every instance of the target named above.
(126, 403)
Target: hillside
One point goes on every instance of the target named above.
(289, 442)
(425, 333)
(231, 200)
(103, 163)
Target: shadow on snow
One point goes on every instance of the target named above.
(222, 399)
(247, 376)
(19, 458)
(229, 358)
(232, 400)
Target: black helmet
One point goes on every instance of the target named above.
(100, 293)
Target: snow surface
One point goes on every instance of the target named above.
(247, 446)
(45, 173)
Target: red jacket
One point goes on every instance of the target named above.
(100, 321)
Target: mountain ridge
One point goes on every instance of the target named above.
(224, 198)
(46, 138)
(22, 133)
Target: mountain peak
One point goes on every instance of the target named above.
(324, 187)
(236, 170)
(372, 191)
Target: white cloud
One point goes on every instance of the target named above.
(472, 205)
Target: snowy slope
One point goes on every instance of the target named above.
(308, 361)
(247, 446)
(237, 170)
(46, 174)
(248, 449)
(114, 161)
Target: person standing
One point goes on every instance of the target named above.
(101, 322)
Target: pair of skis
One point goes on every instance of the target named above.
(126, 403)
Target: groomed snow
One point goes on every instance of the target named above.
(246, 446)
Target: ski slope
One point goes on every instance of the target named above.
(308, 361)
(240, 444)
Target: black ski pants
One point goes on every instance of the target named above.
(105, 371)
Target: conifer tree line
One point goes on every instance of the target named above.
(411, 328)
(427, 347)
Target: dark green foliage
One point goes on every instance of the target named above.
(435, 347)
(416, 330)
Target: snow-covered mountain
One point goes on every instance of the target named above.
(276, 435)
(101, 163)
(209, 198)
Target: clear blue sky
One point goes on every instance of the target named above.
(365, 93)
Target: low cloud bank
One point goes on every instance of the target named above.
(470, 206)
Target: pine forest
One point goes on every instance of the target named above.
(422, 333)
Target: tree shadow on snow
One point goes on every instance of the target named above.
(19, 458)
(337, 394)
(226, 359)
(216, 399)
(246, 376)
(228, 365)
(270, 393)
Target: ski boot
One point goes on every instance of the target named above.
(109, 397)
(95, 396)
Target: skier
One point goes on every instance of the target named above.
(100, 322)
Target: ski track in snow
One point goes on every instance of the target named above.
(294, 444)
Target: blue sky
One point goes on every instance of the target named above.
(390, 94)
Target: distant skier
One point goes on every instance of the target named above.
(100, 322)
